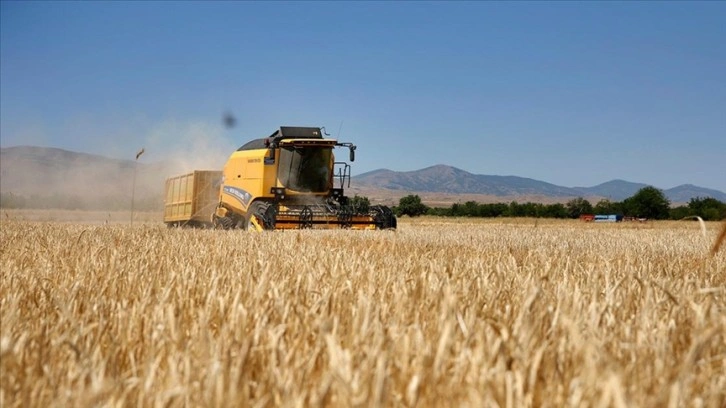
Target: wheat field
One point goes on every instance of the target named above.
(513, 313)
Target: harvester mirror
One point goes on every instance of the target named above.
(352, 153)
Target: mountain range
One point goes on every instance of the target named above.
(451, 180)
(45, 171)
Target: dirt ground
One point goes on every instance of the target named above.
(92, 217)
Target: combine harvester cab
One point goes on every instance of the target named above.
(290, 180)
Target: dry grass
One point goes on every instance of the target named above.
(488, 313)
(719, 240)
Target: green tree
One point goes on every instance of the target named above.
(440, 212)
(360, 204)
(411, 205)
(493, 210)
(680, 212)
(710, 209)
(648, 202)
(471, 209)
(515, 210)
(606, 206)
(557, 210)
(578, 206)
(530, 209)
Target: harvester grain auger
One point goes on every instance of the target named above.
(291, 180)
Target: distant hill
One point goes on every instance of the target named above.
(615, 190)
(447, 179)
(684, 193)
(451, 180)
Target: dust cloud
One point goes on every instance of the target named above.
(42, 177)
(184, 147)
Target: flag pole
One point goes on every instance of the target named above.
(133, 186)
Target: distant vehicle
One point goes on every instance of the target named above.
(601, 218)
(608, 218)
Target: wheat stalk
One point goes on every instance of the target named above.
(446, 312)
(719, 240)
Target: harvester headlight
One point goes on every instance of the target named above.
(279, 192)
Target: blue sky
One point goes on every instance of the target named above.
(570, 93)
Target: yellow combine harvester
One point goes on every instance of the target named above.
(288, 181)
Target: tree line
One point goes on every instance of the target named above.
(649, 202)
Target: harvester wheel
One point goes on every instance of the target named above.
(265, 213)
(249, 225)
(222, 222)
(251, 212)
(226, 223)
(269, 215)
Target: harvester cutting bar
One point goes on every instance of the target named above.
(321, 216)
(326, 217)
(356, 223)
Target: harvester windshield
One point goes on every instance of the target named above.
(305, 168)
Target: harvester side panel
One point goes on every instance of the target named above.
(192, 196)
(245, 177)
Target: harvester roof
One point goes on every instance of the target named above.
(285, 132)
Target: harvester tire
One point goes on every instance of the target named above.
(250, 226)
(269, 215)
(251, 212)
(266, 213)
(226, 223)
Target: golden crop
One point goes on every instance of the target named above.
(440, 313)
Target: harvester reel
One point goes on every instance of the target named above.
(306, 218)
(345, 217)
